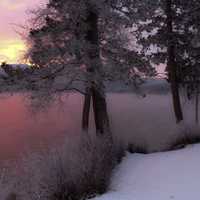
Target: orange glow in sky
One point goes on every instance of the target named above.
(11, 51)
(12, 14)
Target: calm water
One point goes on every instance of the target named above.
(148, 121)
(23, 125)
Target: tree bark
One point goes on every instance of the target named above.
(94, 69)
(100, 112)
(86, 110)
(197, 105)
(171, 64)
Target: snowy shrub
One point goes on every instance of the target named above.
(12, 196)
(188, 135)
(78, 169)
(119, 149)
(6, 186)
(133, 148)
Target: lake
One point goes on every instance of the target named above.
(25, 124)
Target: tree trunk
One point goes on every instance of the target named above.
(94, 69)
(100, 112)
(197, 105)
(95, 89)
(86, 110)
(171, 64)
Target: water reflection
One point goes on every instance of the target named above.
(21, 127)
(149, 121)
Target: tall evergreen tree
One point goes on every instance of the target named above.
(168, 27)
(88, 39)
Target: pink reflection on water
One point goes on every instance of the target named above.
(21, 130)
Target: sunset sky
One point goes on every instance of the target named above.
(12, 14)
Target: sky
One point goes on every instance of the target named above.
(13, 14)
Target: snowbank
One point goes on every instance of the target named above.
(159, 176)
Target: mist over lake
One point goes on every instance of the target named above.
(147, 121)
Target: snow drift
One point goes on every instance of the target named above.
(159, 176)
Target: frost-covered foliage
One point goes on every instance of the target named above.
(78, 169)
(155, 38)
(58, 40)
(189, 135)
(5, 187)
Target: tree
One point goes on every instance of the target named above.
(167, 27)
(172, 67)
(87, 39)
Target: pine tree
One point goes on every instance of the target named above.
(88, 38)
(168, 29)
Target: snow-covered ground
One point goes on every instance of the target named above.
(160, 176)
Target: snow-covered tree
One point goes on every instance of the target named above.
(87, 40)
(169, 27)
